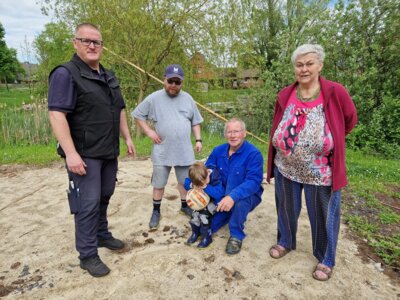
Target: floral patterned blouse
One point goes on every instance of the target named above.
(304, 143)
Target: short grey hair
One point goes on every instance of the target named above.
(242, 124)
(87, 24)
(309, 48)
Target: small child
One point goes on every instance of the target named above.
(209, 181)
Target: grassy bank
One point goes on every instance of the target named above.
(371, 204)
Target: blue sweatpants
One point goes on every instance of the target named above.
(236, 217)
(89, 197)
(323, 207)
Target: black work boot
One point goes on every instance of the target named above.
(94, 266)
(195, 234)
(112, 244)
(206, 237)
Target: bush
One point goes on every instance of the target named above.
(382, 134)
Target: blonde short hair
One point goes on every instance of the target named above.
(198, 173)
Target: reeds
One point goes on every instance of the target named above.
(25, 125)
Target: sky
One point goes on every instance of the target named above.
(20, 19)
(23, 18)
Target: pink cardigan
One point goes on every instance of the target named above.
(341, 115)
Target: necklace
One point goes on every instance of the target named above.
(314, 96)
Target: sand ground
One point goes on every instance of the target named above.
(38, 259)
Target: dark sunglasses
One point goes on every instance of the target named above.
(176, 81)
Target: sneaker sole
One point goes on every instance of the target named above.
(110, 248)
(205, 248)
(95, 275)
(231, 254)
(190, 244)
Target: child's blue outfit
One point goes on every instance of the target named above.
(201, 220)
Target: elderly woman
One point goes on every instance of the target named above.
(307, 152)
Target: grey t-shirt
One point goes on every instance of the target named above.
(173, 119)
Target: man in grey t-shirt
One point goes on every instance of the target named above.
(174, 114)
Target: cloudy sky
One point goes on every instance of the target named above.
(23, 18)
(20, 19)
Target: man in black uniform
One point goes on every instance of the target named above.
(86, 112)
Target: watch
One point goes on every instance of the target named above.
(199, 140)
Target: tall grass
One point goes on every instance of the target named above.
(27, 125)
(23, 118)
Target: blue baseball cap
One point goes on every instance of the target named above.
(174, 71)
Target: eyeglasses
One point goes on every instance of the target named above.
(87, 42)
(176, 81)
(233, 132)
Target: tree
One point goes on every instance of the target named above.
(149, 33)
(9, 65)
(271, 31)
(53, 47)
(362, 44)
(363, 47)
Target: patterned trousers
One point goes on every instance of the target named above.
(323, 207)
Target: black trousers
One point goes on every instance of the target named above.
(88, 197)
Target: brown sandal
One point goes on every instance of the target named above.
(281, 252)
(324, 269)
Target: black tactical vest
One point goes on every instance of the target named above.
(94, 123)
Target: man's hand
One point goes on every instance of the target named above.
(198, 146)
(154, 137)
(130, 148)
(226, 204)
(75, 164)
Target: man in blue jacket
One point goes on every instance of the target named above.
(241, 169)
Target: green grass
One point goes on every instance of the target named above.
(28, 126)
(23, 118)
(370, 203)
(16, 96)
(31, 155)
(365, 228)
(389, 217)
(373, 169)
(388, 249)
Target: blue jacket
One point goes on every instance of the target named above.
(242, 174)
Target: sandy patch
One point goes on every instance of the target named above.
(38, 259)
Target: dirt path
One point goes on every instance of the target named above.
(38, 259)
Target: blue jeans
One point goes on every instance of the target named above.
(236, 217)
(323, 207)
(91, 196)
